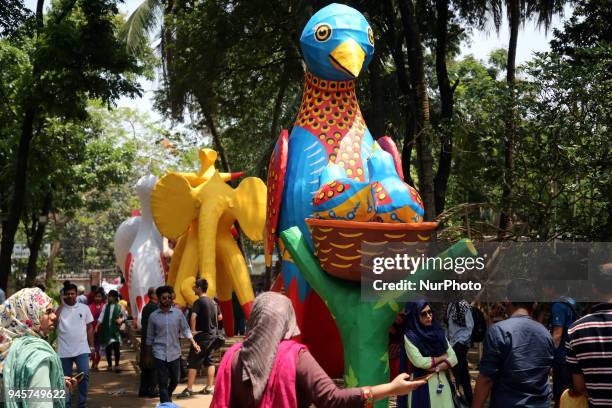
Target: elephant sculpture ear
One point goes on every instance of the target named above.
(250, 207)
(173, 205)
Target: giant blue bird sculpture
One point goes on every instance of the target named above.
(337, 45)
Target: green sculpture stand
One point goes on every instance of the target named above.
(363, 325)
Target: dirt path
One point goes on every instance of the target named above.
(111, 390)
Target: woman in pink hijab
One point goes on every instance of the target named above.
(270, 370)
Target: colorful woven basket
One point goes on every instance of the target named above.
(339, 244)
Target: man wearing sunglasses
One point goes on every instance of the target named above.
(165, 325)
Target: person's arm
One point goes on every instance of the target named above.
(573, 365)
(315, 386)
(192, 321)
(150, 330)
(417, 359)
(149, 341)
(558, 322)
(89, 321)
(579, 384)
(490, 364)
(41, 378)
(401, 385)
(90, 336)
(122, 315)
(557, 334)
(187, 333)
(59, 311)
(195, 309)
(482, 391)
(448, 362)
(148, 355)
(469, 320)
(101, 316)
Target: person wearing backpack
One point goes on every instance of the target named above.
(460, 327)
(563, 314)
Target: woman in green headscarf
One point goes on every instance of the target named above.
(27, 361)
(111, 318)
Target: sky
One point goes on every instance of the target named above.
(531, 40)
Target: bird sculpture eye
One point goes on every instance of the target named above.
(323, 32)
(371, 35)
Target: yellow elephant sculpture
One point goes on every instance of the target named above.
(199, 209)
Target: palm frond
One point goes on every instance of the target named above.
(545, 10)
(141, 24)
(496, 10)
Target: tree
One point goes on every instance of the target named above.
(74, 55)
(14, 15)
(80, 162)
(518, 11)
(234, 73)
(123, 145)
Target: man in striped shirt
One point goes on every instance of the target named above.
(589, 349)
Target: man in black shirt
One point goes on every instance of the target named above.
(148, 378)
(203, 323)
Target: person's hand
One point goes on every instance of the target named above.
(148, 360)
(70, 383)
(442, 358)
(119, 321)
(197, 348)
(401, 385)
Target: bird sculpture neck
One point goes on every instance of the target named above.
(145, 205)
(331, 113)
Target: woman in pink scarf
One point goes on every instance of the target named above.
(96, 308)
(270, 370)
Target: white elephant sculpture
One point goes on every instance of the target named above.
(139, 250)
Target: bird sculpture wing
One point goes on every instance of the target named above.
(276, 183)
(388, 145)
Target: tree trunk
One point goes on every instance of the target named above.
(407, 148)
(447, 105)
(376, 121)
(56, 245)
(403, 81)
(16, 204)
(421, 101)
(212, 128)
(166, 40)
(283, 83)
(37, 239)
(510, 127)
(263, 162)
(9, 228)
(59, 222)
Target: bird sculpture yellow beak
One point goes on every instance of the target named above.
(348, 57)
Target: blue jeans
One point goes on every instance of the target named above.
(82, 362)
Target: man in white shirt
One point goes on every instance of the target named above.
(75, 339)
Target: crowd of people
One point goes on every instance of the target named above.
(521, 349)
